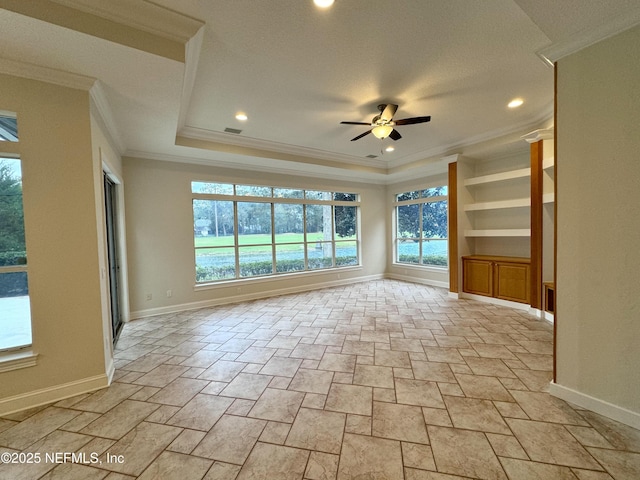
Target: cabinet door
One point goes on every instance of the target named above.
(477, 276)
(512, 282)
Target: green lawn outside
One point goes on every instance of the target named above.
(258, 239)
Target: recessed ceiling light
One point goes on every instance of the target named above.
(323, 3)
(241, 116)
(389, 149)
(515, 103)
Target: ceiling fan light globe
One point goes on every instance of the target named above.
(382, 131)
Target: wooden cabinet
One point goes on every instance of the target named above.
(507, 278)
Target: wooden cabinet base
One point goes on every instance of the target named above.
(507, 278)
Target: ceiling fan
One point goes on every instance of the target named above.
(382, 124)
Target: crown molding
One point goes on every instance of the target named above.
(191, 60)
(319, 172)
(46, 74)
(145, 16)
(103, 109)
(537, 135)
(257, 146)
(589, 36)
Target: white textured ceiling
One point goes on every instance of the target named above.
(298, 71)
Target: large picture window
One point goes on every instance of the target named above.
(421, 227)
(244, 231)
(15, 321)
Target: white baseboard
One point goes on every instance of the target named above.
(421, 281)
(52, 394)
(496, 301)
(601, 407)
(214, 302)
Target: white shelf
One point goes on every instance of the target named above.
(549, 197)
(507, 232)
(498, 177)
(513, 203)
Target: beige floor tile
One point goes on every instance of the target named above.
(277, 405)
(506, 446)
(179, 392)
(399, 422)
(536, 361)
(551, 443)
(362, 455)
(275, 432)
(314, 400)
(418, 392)
(488, 388)
(308, 352)
(176, 466)
(268, 462)
(356, 347)
(617, 434)
(489, 366)
(312, 381)
(535, 380)
(139, 448)
(34, 428)
(358, 424)
(437, 416)
(201, 413)
(231, 439)
(544, 407)
(281, 366)
(104, 400)
(416, 455)
(161, 376)
(475, 414)
(466, 453)
(350, 399)
(390, 358)
(246, 385)
(74, 471)
(317, 430)
(202, 359)
(517, 469)
(256, 355)
(322, 466)
(438, 354)
(433, 371)
(373, 376)
(621, 465)
(222, 371)
(186, 441)
(338, 363)
(120, 420)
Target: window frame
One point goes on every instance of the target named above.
(424, 197)
(304, 200)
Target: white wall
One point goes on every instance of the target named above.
(62, 244)
(598, 227)
(160, 237)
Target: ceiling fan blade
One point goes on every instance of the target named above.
(388, 112)
(361, 135)
(355, 123)
(413, 120)
(395, 135)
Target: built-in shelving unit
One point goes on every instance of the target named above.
(504, 232)
(498, 177)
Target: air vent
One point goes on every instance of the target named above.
(372, 156)
(232, 130)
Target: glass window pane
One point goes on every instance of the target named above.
(212, 223)
(319, 255)
(408, 196)
(317, 195)
(435, 252)
(346, 223)
(346, 253)
(287, 193)
(215, 264)
(408, 251)
(209, 187)
(254, 223)
(434, 220)
(345, 197)
(15, 321)
(435, 192)
(255, 261)
(289, 258)
(8, 128)
(288, 223)
(318, 223)
(408, 220)
(12, 244)
(253, 190)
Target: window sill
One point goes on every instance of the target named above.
(422, 268)
(271, 278)
(18, 359)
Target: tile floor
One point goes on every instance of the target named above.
(377, 380)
